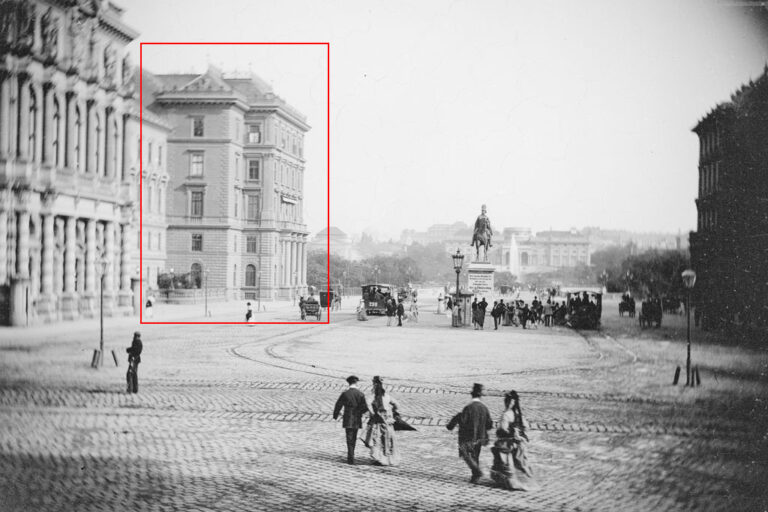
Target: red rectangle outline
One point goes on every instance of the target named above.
(141, 188)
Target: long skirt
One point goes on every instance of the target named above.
(381, 439)
(510, 468)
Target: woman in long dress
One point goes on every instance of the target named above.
(380, 437)
(510, 468)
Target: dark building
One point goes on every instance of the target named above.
(729, 250)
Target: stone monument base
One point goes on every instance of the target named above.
(480, 278)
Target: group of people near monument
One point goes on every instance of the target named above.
(514, 312)
(474, 422)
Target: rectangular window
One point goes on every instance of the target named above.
(254, 134)
(252, 244)
(197, 127)
(235, 195)
(253, 207)
(197, 242)
(159, 156)
(196, 164)
(149, 152)
(253, 169)
(196, 206)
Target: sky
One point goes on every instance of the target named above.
(555, 114)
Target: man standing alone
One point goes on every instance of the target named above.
(353, 402)
(134, 358)
(474, 422)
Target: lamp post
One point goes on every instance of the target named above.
(207, 313)
(103, 268)
(604, 279)
(689, 279)
(295, 288)
(458, 259)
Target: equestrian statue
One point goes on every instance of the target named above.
(482, 236)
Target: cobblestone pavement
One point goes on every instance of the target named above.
(238, 418)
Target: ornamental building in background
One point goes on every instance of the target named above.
(236, 166)
(67, 188)
(730, 245)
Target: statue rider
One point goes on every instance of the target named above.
(483, 227)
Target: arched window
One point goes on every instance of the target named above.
(196, 275)
(56, 131)
(250, 275)
(78, 138)
(32, 124)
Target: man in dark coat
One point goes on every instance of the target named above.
(353, 402)
(400, 313)
(474, 422)
(481, 307)
(134, 357)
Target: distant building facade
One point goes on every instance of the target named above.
(730, 245)
(67, 189)
(236, 161)
(515, 249)
(340, 243)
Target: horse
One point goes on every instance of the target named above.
(481, 238)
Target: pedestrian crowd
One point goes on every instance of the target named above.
(510, 469)
(514, 312)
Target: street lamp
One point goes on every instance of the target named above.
(99, 359)
(458, 259)
(295, 287)
(604, 279)
(207, 313)
(689, 279)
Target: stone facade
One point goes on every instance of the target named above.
(67, 192)
(236, 162)
(730, 246)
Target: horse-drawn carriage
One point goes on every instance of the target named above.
(584, 307)
(375, 297)
(627, 305)
(311, 307)
(650, 313)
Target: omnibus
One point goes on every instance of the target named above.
(584, 307)
(375, 297)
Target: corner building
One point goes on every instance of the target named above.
(235, 201)
(67, 190)
(730, 246)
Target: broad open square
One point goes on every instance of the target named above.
(239, 417)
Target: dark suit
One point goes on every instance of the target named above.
(474, 422)
(134, 353)
(353, 403)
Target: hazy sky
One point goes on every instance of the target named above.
(554, 114)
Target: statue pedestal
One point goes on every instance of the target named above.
(480, 278)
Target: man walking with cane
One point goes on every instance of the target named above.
(353, 402)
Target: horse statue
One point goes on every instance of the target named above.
(482, 236)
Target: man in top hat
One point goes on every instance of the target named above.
(474, 422)
(353, 402)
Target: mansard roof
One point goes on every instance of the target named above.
(738, 98)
